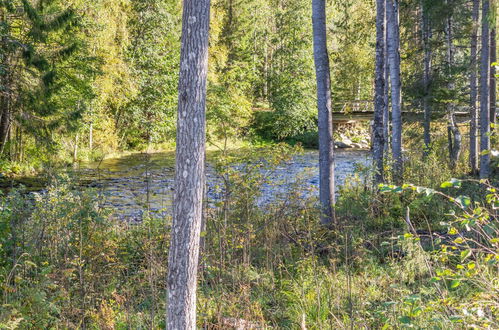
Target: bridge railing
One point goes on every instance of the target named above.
(368, 106)
(353, 106)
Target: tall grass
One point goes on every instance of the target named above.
(420, 255)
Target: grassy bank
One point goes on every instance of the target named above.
(402, 257)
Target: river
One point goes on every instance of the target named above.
(130, 185)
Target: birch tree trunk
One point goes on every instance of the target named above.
(493, 60)
(75, 148)
(426, 31)
(379, 98)
(326, 145)
(393, 41)
(190, 167)
(91, 136)
(484, 93)
(474, 90)
(386, 111)
(455, 139)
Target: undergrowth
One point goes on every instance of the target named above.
(422, 255)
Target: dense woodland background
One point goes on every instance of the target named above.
(86, 78)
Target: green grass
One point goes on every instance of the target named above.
(65, 264)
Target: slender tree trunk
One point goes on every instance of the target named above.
(474, 90)
(493, 86)
(4, 93)
(190, 167)
(426, 32)
(455, 138)
(484, 93)
(393, 41)
(326, 145)
(91, 136)
(386, 110)
(5, 99)
(75, 148)
(4, 123)
(379, 98)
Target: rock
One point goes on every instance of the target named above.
(239, 324)
(357, 145)
(342, 145)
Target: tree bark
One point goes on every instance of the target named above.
(326, 144)
(4, 122)
(5, 97)
(426, 32)
(91, 137)
(190, 167)
(379, 98)
(484, 93)
(493, 60)
(393, 41)
(75, 149)
(474, 90)
(455, 138)
(386, 111)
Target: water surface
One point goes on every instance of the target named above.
(131, 184)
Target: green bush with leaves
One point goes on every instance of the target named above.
(64, 263)
(461, 263)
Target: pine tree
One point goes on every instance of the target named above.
(153, 58)
(42, 82)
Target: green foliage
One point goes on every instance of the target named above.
(351, 40)
(291, 81)
(153, 56)
(46, 71)
(460, 264)
(65, 263)
(228, 113)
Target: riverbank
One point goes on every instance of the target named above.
(26, 171)
(267, 265)
(32, 173)
(128, 183)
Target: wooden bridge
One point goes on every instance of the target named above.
(363, 110)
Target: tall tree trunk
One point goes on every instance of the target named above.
(5, 115)
(474, 90)
(386, 110)
(4, 122)
(190, 167)
(493, 86)
(426, 32)
(484, 93)
(75, 148)
(326, 145)
(455, 138)
(91, 136)
(379, 98)
(393, 41)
